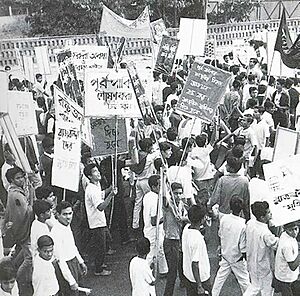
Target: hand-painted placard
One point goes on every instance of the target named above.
(67, 145)
(109, 93)
(203, 91)
(104, 136)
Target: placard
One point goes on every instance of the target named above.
(166, 55)
(22, 113)
(283, 179)
(104, 136)
(68, 111)
(89, 56)
(203, 91)
(109, 93)
(67, 146)
(4, 92)
(281, 148)
(28, 68)
(68, 76)
(42, 59)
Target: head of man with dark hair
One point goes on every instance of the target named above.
(269, 106)
(154, 183)
(253, 91)
(64, 213)
(201, 140)
(177, 191)
(16, 176)
(146, 145)
(39, 77)
(261, 211)
(41, 209)
(196, 214)
(251, 78)
(48, 144)
(292, 229)
(237, 151)
(166, 149)
(236, 85)
(143, 247)
(46, 193)
(45, 247)
(233, 165)
(171, 134)
(236, 205)
(8, 275)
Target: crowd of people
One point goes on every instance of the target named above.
(184, 175)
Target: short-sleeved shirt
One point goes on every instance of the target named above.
(287, 251)
(141, 277)
(194, 250)
(250, 139)
(94, 196)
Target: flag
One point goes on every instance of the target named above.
(120, 50)
(114, 25)
(289, 51)
(110, 62)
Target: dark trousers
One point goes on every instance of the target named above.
(286, 289)
(172, 253)
(281, 117)
(98, 246)
(191, 288)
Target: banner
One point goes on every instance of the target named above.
(114, 25)
(68, 76)
(192, 35)
(166, 55)
(22, 113)
(283, 179)
(89, 56)
(4, 92)
(28, 68)
(203, 91)
(67, 146)
(68, 111)
(104, 136)
(42, 59)
(109, 93)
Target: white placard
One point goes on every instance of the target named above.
(22, 112)
(28, 68)
(42, 59)
(109, 93)
(4, 92)
(67, 145)
(192, 35)
(283, 179)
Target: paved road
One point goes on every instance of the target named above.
(118, 283)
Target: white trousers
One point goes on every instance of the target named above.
(240, 271)
(262, 285)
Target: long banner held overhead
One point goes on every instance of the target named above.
(104, 136)
(91, 56)
(68, 111)
(22, 113)
(108, 93)
(67, 145)
(203, 91)
(283, 179)
(166, 55)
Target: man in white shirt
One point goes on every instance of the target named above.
(42, 211)
(232, 233)
(287, 261)
(267, 115)
(95, 204)
(71, 263)
(150, 213)
(260, 244)
(196, 266)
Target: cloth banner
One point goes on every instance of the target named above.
(104, 136)
(42, 59)
(22, 113)
(68, 76)
(109, 93)
(158, 29)
(283, 179)
(67, 146)
(114, 25)
(28, 68)
(203, 91)
(4, 92)
(68, 111)
(192, 36)
(166, 55)
(91, 56)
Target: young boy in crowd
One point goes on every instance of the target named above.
(287, 261)
(232, 233)
(260, 243)
(150, 212)
(8, 276)
(44, 279)
(141, 277)
(41, 209)
(196, 266)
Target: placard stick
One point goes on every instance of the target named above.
(64, 194)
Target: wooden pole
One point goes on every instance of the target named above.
(64, 194)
